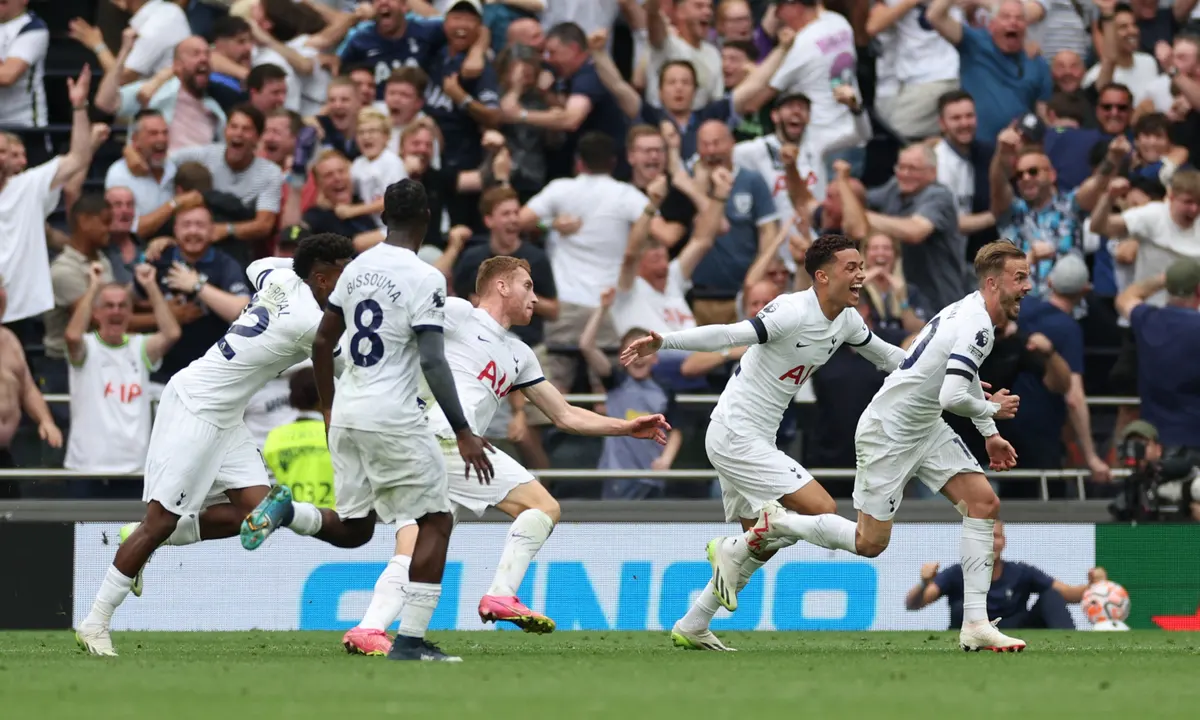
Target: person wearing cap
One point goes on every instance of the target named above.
(1037, 436)
(1168, 344)
(1179, 475)
(987, 58)
(1044, 222)
(676, 91)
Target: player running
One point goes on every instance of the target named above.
(793, 336)
(386, 462)
(203, 470)
(901, 434)
(489, 363)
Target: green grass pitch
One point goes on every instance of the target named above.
(602, 675)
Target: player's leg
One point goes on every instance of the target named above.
(370, 636)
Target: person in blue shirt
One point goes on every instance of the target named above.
(391, 42)
(463, 107)
(1008, 599)
(1004, 79)
(1168, 343)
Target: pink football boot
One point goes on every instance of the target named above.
(493, 608)
(361, 641)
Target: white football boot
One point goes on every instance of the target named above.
(727, 571)
(697, 640)
(95, 640)
(984, 636)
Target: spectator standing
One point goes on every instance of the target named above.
(1120, 62)
(923, 215)
(897, 309)
(160, 26)
(1005, 80)
(587, 106)
(150, 137)
(1066, 74)
(18, 390)
(110, 374)
(70, 275)
(688, 43)
(280, 133)
(1038, 436)
(1155, 23)
(926, 67)
(962, 166)
(205, 287)
(267, 88)
(232, 40)
(24, 40)
(391, 42)
(24, 205)
(376, 168)
(753, 222)
(1065, 26)
(1168, 339)
(124, 249)
(592, 216)
(339, 124)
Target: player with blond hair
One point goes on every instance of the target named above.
(902, 435)
(488, 363)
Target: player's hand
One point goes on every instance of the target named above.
(50, 434)
(650, 427)
(474, 451)
(1008, 404)
(642, 347)
(567, 224)
(1001, 455)
(929, 571)
(1097, 574)
(1040, 344)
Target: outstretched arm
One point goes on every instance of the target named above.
(576, 420)
(715, 338)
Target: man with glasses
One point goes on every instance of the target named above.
(1043, 221)
(923, 215)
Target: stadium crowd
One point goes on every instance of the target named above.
(659, 163)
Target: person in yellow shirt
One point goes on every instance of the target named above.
(297, 453)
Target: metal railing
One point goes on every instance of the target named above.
(1080, 476)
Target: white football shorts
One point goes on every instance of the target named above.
(400, 476)
(885, 466)
(191, 462)
(467, 492)
(752, 471)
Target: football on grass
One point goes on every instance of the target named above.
(1105, 600)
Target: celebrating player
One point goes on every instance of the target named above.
(902, 434)
(386, 463)
(489, 363)
(793, 336)
(203, 470)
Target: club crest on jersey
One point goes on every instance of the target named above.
(439, 299)
(770, 308)
(981, 338)
(500, 385)
(743, 203)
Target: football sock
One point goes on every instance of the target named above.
(976, 556)
(112, 593)
(828, 531)
(701, 613)
(306, 519)
(187, 531)
(388, 597)
(420, 600)
(749, 567)
(526, 536)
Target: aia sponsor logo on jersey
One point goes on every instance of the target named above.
(500, 385)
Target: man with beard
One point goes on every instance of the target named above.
(150, 137)
(1005, 81)
(790, 118)
(180, 94)
(391, 42)
(1066, 72)
(962, 166)
(1120, 62)
(650, 155)
(688, 43)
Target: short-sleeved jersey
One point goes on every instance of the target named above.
(955, 341)
(488, 363)
(387, 295)
(795, 338)
(274, 332)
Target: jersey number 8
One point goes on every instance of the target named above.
(927, 334)
(262, 318)
(367, 332)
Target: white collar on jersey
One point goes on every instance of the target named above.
(490, 322)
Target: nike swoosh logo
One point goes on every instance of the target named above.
(481, 338)
(800, 345)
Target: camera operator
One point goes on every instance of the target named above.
(1168, 343)
(1158, 488)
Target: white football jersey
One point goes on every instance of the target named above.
(956, 341)
(762, 155)
(795, 339)
(387, 294)
(108, 392)
(488, 363)
(274, 332)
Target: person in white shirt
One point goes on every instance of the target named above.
(203, 471)
(789, 340)
(687, 40)
(110, 372)
(24, 40)
(160, 26)
(387, 464)
(25, 204)
(150, 136)
(926, 66)
(822, 58)
(489, 363)
(902, 435)
(591, 216)
(1121, 63)
(376, 169)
